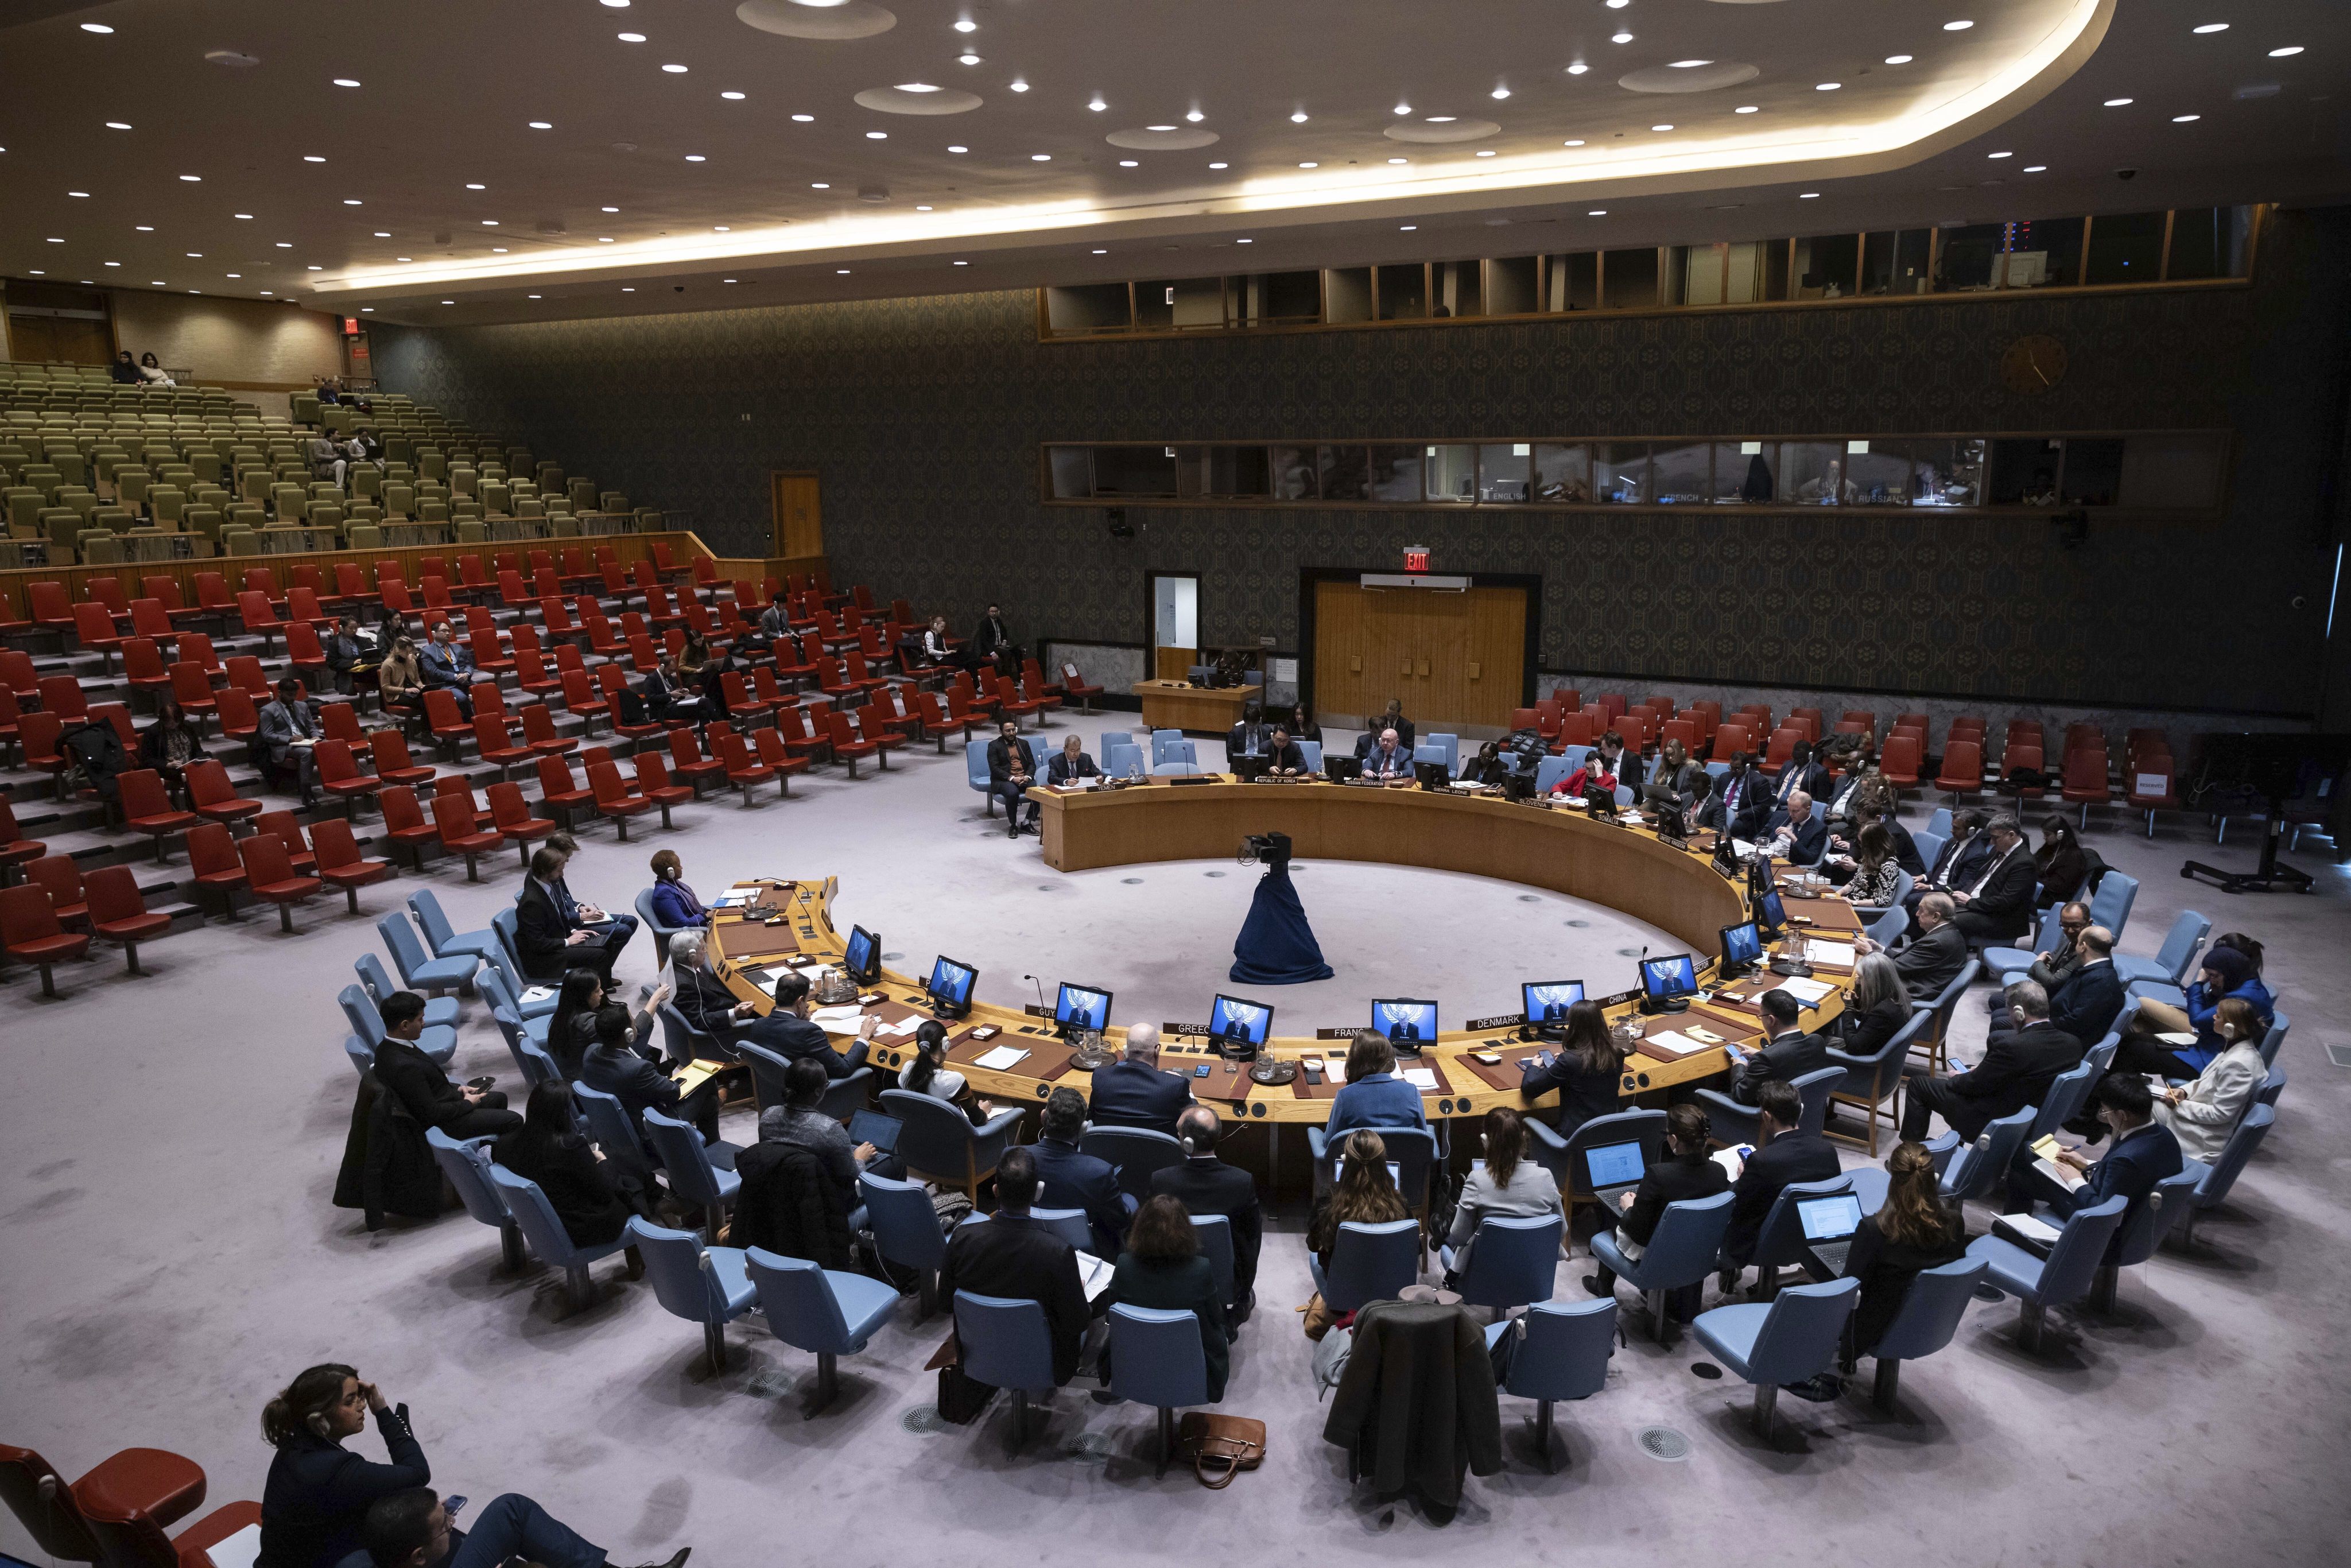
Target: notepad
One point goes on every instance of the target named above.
(1731, 1161)
(838, 1021)
(1421, 1078)
(1093, 1274)
(2177, 1037)
(1002, 1059)
(907, 1025)
(735, 900)
(1701, 1033)
(1673, 1040)
(766, 979)
(1839, 954)
(1808, 992)
(2035, 1233)
(538, 993)
(694, 1074)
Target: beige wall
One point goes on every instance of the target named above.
(230, 340)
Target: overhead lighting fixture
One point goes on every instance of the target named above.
(1101, 253)
(345, 82)
(967, 58)
(732, 97)
(1041, 157)
(1999, 154)
(497, 250)
(1808, 195)
(1096, 104)
(1221, 165)
(193, 179)
(2118, 102)
(803, 118)
(544, 124)
(625, 288)
(1485, 154)
(2289, 50)
(1297, 117)
(841, 271)
(920, 208)
(531, 296)
(1244, 242)
(1502, 92)
(1828, 87)
(1440, 120)
(675, 70)
(1019, 87)
(967, 25)
(191, 256)
(1577, 142)
(1404, 109)
(877, 136)
(2185, 119)
(721, 229)
(314, 269)
(1310, 165)
(618, 5)
(352, 202)
(1406, 228)
(82, 193)
(490, 222)
(1748, 109)
(367, 310)
(1661, 128)
(1578, 68)
(958, 263)
(1897, 59)
(696, 158)
(1687, 65)
(1597, 213)
(631, 37)
(819, 185)
(609, 209)
(1195, 116)
(1129, 163)
(1399, 160)
(312, 158)
(471, 186)
(110, 263)
(2036, 168)
(1957, 26)
(246, 216)
(2211, 27)
(96, 27)
(118, 125)
(1622, 38)
(1159, 128)
(232, 275)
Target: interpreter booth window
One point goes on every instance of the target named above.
(1293, 474)
(2023, 471)
(1563, 471)
(1746, 472)
(1812, 473)
(1453, 473)
(1681, 472)
(1395, 473)
(1876, 474)
(1947, 473)
(1505, 472)
(1346, 473)
(1073, 472)
(1620, 473)
(1134, 471)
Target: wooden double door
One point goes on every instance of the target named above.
(1458, 660)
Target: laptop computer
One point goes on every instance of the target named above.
(873, 1127)
(1614, 1169)
(1829, 1224)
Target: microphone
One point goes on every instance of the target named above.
(1041, 988)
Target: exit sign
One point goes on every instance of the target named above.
(1415, 557)
(350, 326)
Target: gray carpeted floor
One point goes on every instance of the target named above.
(172, 1258)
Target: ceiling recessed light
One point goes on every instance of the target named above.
(367, 310)
(958, 263)
(1101, 253)
(1897, 59)
(381, 234)
(2185, 119)
(1019, 87)
(345, 82)
(673, 69)
(603, 239)
(1485, 154)
(453, 302)
(232, 275)
(1404, 109)
(83, 194)
(1661, 128)
(609, 209)
(193, 179)
(967, 58)
(804, 119)
(110, 263)
(497, 250)
(1621, 38)
(966, 25)
(1578, 68)
(542, 125)
(1808, 195)
(731, 96)
(1957, 26)
(1129, 163)
(1097, 105)
(312, 158)
(2289, 50)
(314, 269)
(1440, 120)
(1618, 4)
(352, 202)
(625, 288)
(534, 296)
(1406, 228)
(877, 136)
(841, 271)
(490, 222)
(400, 258)
(1687, 65)
(1748, 109)
(2211, 27)
(266, 291)
(473, 187)
(282, 245)
(118, 125)
(631, 37)
(246, 216)
(958, 149)
(1195, 116)
(1244, 242)
(1502, 92)
(1597, 213)
(1999, 154)
(195, 256)
(920, 208)
(696, 158)
(56, 239)
(1399, 160)
(721, 229)
(2118, 102)
(1310, 165)
(819, 185)
(1221, 165)
(1297, 117)
(1159, 128)
(96, 27)
(1041, 157)
(2036, 168)
(1828, 87)
(1577, 142)
(618, 5)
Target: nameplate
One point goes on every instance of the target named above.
(1186, 1031)
(1730, 872)
(1336, 1033)
(1500, 1020)
(1672, 840)
(1620, 998)
(1035, 1009)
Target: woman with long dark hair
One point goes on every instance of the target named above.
(1584, 1070)
(1915, 1230)
(592, 1199)
(317, 1491)
(1163, 1268)
(571, 1028)
(1505, 1185)
(1687, 1171)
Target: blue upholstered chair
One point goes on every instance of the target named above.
(2279, 1024)
(1124, 760)
(2006, 961)
(439, 1042)
(1683, 1250)
(614, 1130)
(699, 1173)
(846, 1096)
(1550, 771)
(1562, 1353)
(1164, 743)
(1930, 1313)
(975, 768)
(1450, 745)
(419, 970)
(2143, 1232)
(378, 984)
(905, 1230)
(1156, 1359)
(1887, 929)
(492, 987)
(1313, 753)
(1736, 1123)
(1978, 1169)
(1792, 1339)
(441, 936)
(1412, 1150)
(2172, 961)
(536, 1219)
(1181, 761)
(1868, 1081)
(2065, 1275)
(2213, 1181)
(1564, 1156)
(938, 1143)
(828, 1312)
(466, 1165)
(1513, 1260)
(509, 962)
(2110, 906)
(2063, 1101)
(1214, 1233)
(1368, 1263)
(1930, 846)
(682, 1041)
(1939, 824)
(1942, 1006)
(2272, 1085)
(1779, 1240)
(705, 1285)
(1005, 1343)
(663, 931)
(1138, 1153)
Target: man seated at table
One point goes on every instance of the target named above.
(1935, 955)
(1797, 831)
(2144, 1152)
(2020, 1063)
(1073, 1178)
(1787, 1055)
(1013, 1256)
(1012, 769)
(1133, 1092)
(1389, 758)
(1249, 737)
(1733, 794)
(1962, 858)
(701, 998)
(1284, 758)
(1071, 764)
(791, 1034)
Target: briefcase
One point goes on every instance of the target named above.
(1220, 1446)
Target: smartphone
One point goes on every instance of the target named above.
(1313, 1069)
(1201, 1071)
(482, 1082)
(452, 1504)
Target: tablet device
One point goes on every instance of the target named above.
(1082, 1007)
(864, 959)
(873, 1127)
(1665, 978)
(1547, 1001)
(1236, 1019)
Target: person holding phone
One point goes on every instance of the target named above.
(319, 1491)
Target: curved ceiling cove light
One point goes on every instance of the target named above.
(1162, 138)
(828, 19)
(918, 98)
(1451, 130)
(1689, 76)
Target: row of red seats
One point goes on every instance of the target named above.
(117, 1515)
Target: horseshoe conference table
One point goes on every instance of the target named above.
(1626, 868)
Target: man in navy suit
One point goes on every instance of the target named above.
(1073, 1179)
(1785, 1154)
(1014, 1255)
(1798, 831)
(1995, 897)
(2144, 1153)
(1787, 1056)
(1133, 1093)
(1799, 772)
(2087, 1004)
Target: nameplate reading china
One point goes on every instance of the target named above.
(1620, 998)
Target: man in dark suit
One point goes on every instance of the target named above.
(1133, 1093)
(1798, 772)
(1284, 755)
(1962, 858)
(2145, 1151)
(1073, 1179)
(2019, 1065)
(1249, 738)
(1997, 902)
(612, 1066)
(1013, 1256)
(556, 932)
(701, 998)
(1785, 1155)
(992, 643)
(287, 739)
(1787, 1056)
(1798, 832)
(1390, 757)
(1936, 953)
(1071, 763)
(787, 1033)
(461, 1111)
(1204, 1184)
(2087, 1004)
(1011, 768)
(1734, 793)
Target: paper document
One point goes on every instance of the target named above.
(2027, 1228)
(1742, 848)
(1703, 1035)
(1335, 1068)
(1093, 1274)
(1839, 954)
(1673, 1040)
(1002, 1059)
(238, 1551)
(538, 993)
(694, 1074)
(766, 979)
(2182, 1037)
(735, 900)
(2066, 1176)
(1421, 1078)
(1729, 1161)
(1808, 992)
(838, 1021)
(907, 1025)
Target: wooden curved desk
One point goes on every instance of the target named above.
(1624, 868)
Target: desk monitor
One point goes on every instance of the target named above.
(1771, 914)
(1341, 769)
(1742, 945)
(1235, 1020)
(1665, 978)
(1547, 1001)
(1830, 1218)
(1615, 1165)
(950, 985)
(864, 959)
(1082, 1007)
(1431, 775)
(1409, 1022)
(1599, 800)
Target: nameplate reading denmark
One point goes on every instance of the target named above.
(1500, 1020)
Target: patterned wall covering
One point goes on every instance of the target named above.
(923, 418)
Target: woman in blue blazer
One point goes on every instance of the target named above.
(674, 904)
(1374, 1096)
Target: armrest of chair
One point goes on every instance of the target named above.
(1940, 1148)
(990, 1137)
(1318, 1142)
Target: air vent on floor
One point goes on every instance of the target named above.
(2339, 1054)
(925, 1418)
(1088, 1449)
(1662, 1443)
